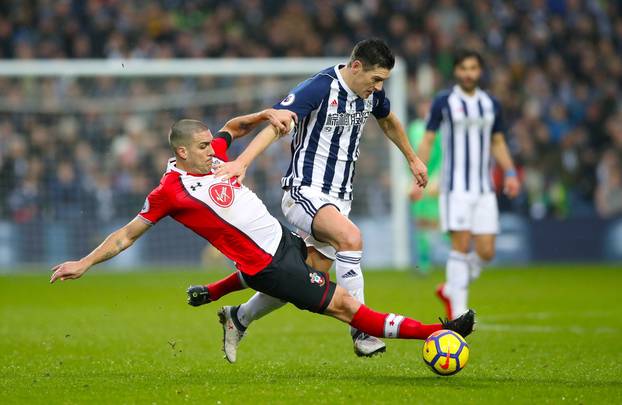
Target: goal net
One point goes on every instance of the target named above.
(83, 142)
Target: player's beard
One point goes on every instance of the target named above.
(468, 85)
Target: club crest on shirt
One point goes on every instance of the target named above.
(289, 100)
(222, 194)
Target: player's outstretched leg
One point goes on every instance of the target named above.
(204, 294)
(345, 308)
(236, 319)
(331, 226)
(232, 332)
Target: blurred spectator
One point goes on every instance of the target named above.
(609, 191)
(68, 198)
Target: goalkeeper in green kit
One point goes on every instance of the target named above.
(424, 202)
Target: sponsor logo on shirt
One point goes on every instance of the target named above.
(347, 119)
(222, 194)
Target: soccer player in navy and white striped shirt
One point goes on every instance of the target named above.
(332, 108)
(472, 129)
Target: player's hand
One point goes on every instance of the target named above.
(281, 119)
(420, 172)
(68, 271)
(234, 168)
(416, 192)
(511, 186)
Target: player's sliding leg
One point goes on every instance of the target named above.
(261, 304)
(455, 292)
(389, 325)
(236, 319)
(204, 294)
(483, 253)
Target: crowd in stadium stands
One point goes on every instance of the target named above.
(554, 65)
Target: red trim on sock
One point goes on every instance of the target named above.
(372, 323)
(225, 286)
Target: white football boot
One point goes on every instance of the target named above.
(231, 333)
(367, 346)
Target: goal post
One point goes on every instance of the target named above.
(292, 68)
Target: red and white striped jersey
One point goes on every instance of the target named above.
(230, 216)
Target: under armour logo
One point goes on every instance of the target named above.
(195, 186)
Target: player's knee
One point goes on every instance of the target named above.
(350, 239)
(342, 306)
(460, 242)
(486, 253)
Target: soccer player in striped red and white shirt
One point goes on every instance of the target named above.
(232, 218)
(471, 124)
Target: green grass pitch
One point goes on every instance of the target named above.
(545, 335)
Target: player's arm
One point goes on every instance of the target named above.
(237, 168)
(501, 153)
(425, 146)
(114, 244)
(244, 124)
(394, 130)
(424, 150)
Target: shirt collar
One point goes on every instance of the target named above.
(342, 81)
(457, 89)
(171, 166)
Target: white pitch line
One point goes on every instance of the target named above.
(578, 330)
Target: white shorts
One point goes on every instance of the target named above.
(300, 204)
(477, 213)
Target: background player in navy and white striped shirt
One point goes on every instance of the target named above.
(332, 108)
(472, 129)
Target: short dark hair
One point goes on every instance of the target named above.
(373, 52)
(462, 54)
(182, 131)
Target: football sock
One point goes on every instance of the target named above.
(236, 320)
(256, 307)
(391, 325)
(456, 287)
(233, 282)
(476, 264)
(350, 276)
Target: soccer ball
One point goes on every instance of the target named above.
(446, 352)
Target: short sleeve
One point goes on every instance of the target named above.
(220, 144)
(435, 117)
(498, 124)
(382, 105)
(307, 96)
(156, 206)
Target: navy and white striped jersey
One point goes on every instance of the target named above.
(467, 124)
(325, 143)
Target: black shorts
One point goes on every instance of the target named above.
(290, 279)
